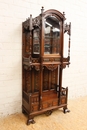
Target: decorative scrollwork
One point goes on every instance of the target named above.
(36, 22)
(66, 59)
(51, 67)
(63, 66)
(26, 24)
(67, 28)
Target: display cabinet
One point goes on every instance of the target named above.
(43, 62)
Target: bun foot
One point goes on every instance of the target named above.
(29, 121)
(65, 110)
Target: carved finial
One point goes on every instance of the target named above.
(30, 22)
(64, 14)
(42, 10)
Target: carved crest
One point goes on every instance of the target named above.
(36, 22)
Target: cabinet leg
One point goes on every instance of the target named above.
(65, 110)
(29, 121)
(48, 113)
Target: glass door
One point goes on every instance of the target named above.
(52, 35)
(36, 41)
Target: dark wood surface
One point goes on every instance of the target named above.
(43, 63)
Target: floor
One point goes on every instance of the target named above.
(75, 120)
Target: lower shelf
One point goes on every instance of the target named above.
(50, 101)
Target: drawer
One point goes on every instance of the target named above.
(45, 105)
(63, 100)
(34, 108)
(55, 103)
(50, 104)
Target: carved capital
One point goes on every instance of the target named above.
(67, 28)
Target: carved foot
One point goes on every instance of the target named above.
(65, 110)
(48, 113)
(29, 121)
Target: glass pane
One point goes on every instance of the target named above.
(36, 41)
(52, 35)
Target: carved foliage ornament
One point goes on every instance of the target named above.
(35, 23)
(67, 28)
(51, 67)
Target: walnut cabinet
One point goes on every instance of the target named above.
(43, 62)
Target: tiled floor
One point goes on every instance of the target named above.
(75, 120)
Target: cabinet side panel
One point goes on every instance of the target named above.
(54, 76)
(36, 81)
(28, 81)
(45, 78)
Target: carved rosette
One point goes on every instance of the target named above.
(51, 67)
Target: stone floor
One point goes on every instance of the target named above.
(75, 120)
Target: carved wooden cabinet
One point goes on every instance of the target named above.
(43, 63)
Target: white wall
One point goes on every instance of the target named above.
(12, 14)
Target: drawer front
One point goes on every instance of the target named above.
(45, 105)
(63, 100)
(34, 108)
(55, 103)
(50, 104)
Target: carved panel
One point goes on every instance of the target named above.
(35, 60)
(35, 99)
(66, 59)
(51, 67)
(28, 81)
(56, 46)
(45, 78)
(53, 79)
(35, 108)
(44, 105)
(51, 59)
(26, 24)
(36, 80)
(49, 104)
(36, 22)
(55, 103)
(37, 67)
(63, 100)
(27, 42)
